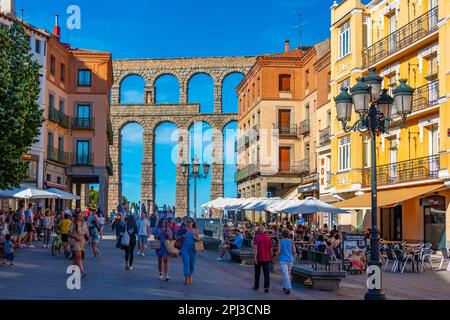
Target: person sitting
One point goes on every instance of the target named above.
(236, 244)
(320, 244)
(334, 231)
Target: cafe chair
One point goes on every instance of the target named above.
(390, 256)
(426, 258)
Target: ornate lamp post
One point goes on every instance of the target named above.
(195, 173)
(374, 107)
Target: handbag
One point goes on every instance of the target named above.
(118, 242)
(155, 244)
(199, 246)
(169, 244)
(179, 242)
(125, 241)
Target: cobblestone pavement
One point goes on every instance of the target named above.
(39, 275)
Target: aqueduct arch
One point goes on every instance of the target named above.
(149, 115)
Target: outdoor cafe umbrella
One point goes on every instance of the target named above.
(28, 193)
(64, 195)
(312, 205)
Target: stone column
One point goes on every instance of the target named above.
(263, 190)
(217, 164)
(149, 95)
(115, 181)
(103, 193)
(218, 97)
(148, 171)
(115, 94)
(182, 187)
(183, 92)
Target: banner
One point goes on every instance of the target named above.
(354, 249)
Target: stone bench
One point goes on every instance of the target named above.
(210, 243)
(242, 256)
(317, 279)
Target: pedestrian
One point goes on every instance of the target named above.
(101, 223)
(153, 219)
(263, 252)
(117, 225)
(47, 226)
(131, 228)
(64, 229)
(95, 239)
(79, 234)
(163, 233)
(144, 232)
(189, 236)
(29, 219)
(286, 255)
(8, 249)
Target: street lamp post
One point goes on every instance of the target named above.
(374, 107)
(195, 174)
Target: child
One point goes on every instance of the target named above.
(8, 250)
(95, 238)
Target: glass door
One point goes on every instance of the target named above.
(434, 223)
(392, 34)
(393, 160)
(82, 152)
(433, 16)
(433, 149)
(83, 116)
(391, 223)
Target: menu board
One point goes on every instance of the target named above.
(354, 249)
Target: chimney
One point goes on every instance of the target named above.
(57, 28)
(8, 7)
(286, 46)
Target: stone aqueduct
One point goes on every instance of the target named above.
(183, 114)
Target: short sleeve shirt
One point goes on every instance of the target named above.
(263, 245)
(28, 216)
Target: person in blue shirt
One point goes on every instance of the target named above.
(9, 250)
(236, 244)
(188, 252)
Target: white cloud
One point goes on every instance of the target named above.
(132, 134)
(132, 96)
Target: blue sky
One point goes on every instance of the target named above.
(181, 28)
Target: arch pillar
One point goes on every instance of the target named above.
(148, 174)
(218, 97)
(115, 94)
(217, 166)
(182, 181)
(115, 181)
(183, 94)
(149, 94)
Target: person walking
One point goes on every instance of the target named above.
(95, 239)
(263, 251)
(144, 232)
(163, 233)
(101, 223)
(21, 223)
(29, 219)
(78, 235)
(132, 229)
(189, 237)
(47, 225)
(286, 255)
(117, 225)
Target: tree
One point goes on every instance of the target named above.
(20, 115)
(93, 198)
(124, 200)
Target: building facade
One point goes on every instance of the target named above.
(401, 39)
(279, 123)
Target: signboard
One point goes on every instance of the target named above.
(323, 173)
(354, 248)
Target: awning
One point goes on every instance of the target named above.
(387, 198)
(328, 198)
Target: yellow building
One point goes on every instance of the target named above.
(401, 39)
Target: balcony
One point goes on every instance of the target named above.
(246, 172)
(426, 96)
(402, 38)
(110, 132)
(324, 136)
(82, 159)
(109, 166)
(404, 171)
(304, 167)
(58, 156)
(287, 130)
(58, 117)
(83, 123)
(305, 127)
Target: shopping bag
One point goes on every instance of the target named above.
(155, 244)
(199, 246)
(125, 241)
(119, 242)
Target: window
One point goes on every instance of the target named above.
(50, 142)
(51, 100)
(84, 78)
(52, 65)
(344, 153)
(49, 177)
(60, 143)
(82, 152)
(344, 39)
(58, 179)
(63, 72)
(62, 106)
(83, 115)
(366, 152)
(284, 83)
(38, 46)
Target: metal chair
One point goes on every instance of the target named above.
(427, 246)
(426, 258)
(445, 257)
(401, 260)
(390, 256)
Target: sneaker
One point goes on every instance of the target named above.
(161, 277)
(167, 277)
(21, 245)
(219, 259)
(130, 268)
(143, 254)
(138, 253)
(31, 246)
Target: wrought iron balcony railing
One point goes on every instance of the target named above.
(305, 127)
(246, 172)
(58, 155)
(287, 130)
(58, 117)
(82, 159)
(426, 96)
(324, 136)
(83, 123)
(401, 38)
(404, 171)
(53, 114)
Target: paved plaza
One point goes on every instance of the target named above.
(39, 275)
